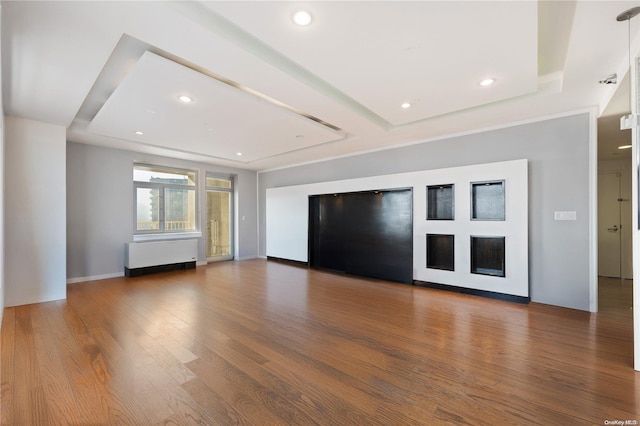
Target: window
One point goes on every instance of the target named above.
(165, 199)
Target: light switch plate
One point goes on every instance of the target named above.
(564, 216)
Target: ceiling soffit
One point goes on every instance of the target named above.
(223, 118)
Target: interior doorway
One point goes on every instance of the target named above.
(614, 200)
(614, 226)
(615, 155)
(219, 223)
(615, 220)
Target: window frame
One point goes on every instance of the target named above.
(162, 232)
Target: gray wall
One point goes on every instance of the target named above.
(100, 207)
(558, 154)
(1, 210)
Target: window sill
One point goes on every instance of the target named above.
(168, 236)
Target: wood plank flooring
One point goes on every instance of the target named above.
(265, 343)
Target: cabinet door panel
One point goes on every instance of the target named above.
(364, 233)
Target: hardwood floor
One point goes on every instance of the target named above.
(266, 343)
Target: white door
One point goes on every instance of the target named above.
(609, 225)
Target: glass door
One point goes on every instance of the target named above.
(219, 224)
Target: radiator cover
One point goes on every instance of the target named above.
(158, 256)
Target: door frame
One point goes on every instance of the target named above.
(635, 170)
(232, 221)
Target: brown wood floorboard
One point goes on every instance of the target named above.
(260, 342)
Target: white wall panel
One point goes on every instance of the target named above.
(287, 221)
(35, 212)
(1, 186)
(513, 228)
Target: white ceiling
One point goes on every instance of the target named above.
(220, 119)
(281, 94)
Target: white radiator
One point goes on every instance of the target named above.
(160, 253)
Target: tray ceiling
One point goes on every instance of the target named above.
(281, 94)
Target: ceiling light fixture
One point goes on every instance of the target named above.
(184, 99)
(626, 121)
(139, 132)
(612, 79)
(238, 154)
(487, 82)
(624, 147)
(406, 105)
(302, 18)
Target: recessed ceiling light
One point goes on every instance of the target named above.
(238, 154)
(139, 133)
(624, 147)
(487, 82)
(184, 99)
(406, 105)
(302, 18)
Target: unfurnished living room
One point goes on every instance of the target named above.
(331, 212)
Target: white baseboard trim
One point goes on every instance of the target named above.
(121, 274)
(246, 257)
(94, 277)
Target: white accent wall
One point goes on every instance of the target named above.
(2, 271)
(635, 208)
(287, 221)
(1, 187)
(635, 218)
(35, 212)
